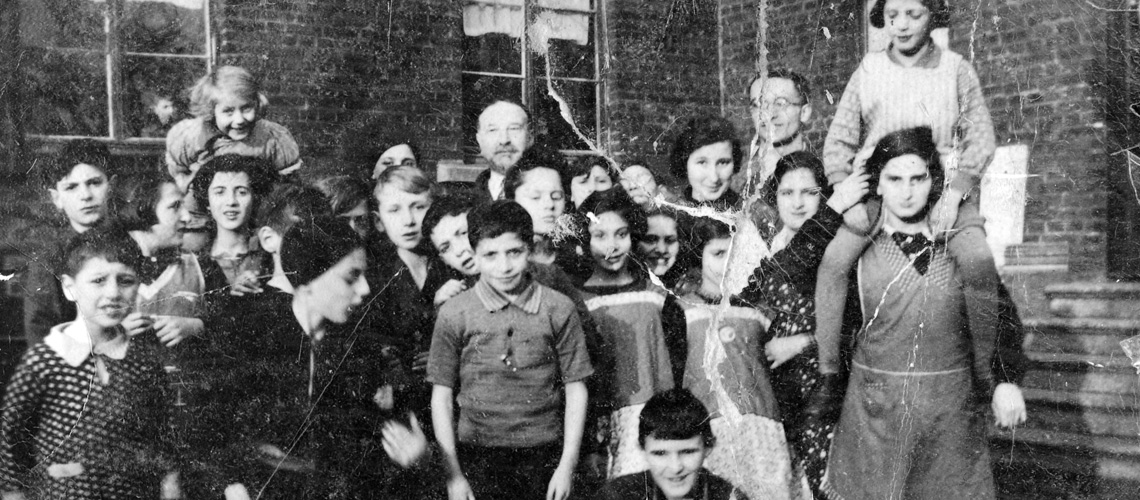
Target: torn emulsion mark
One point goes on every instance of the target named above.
(1131, 348)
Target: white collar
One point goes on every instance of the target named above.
(72, 343)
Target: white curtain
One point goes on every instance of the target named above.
(556, 19)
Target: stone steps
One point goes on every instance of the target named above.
(1094, 300)
(1032, 464)
(1094, 336)
(1065, 372)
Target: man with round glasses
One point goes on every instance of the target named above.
(780, 108)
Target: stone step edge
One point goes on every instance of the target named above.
(1114, 363)
(1079, 399)
(1112, 446)
(1081, 323)
(1083, 290)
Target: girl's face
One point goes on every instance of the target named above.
(661, 244)
(336, 292)
(230, 198)
(581, 187)
(709, 168)
(172, 217)
(610, 242)
(398, 155)
(797, 198)
(541, 195)
(713, 259)
(400, 213)
(908, 22)
(450, 239)
(235, 115)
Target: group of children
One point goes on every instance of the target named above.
(578, 332)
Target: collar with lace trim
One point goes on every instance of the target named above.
(494, 300)
(72, 343)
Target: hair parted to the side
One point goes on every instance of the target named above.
(290, 204)
(260, 171)
(535, 157)
(496, 219)
(407, 179)
(452, 205)
(704, 230)
(673, 415)
(133, 204)
(112, 244)
(614, 200)
(77, 152)
(699, 132)
(345, 192)
(939, 13)
(803, 88)
(790, 163)
(912, 141)
(205, 93)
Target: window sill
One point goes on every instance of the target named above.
(53, 144)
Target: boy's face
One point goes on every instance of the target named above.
(541, 195)
(713, 259)
(336, 292)
(661, 244)
(358, 219)
(235, 115)
(103, 292)
(450, 239)
(609, 242)
(230, 197)
(82, 196)
(581, 187)
(400, 214)
(502, 262)
(675, 464)
(905, 186)
(172, 217)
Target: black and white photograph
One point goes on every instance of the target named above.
(569, 249)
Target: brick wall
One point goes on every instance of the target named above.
(1040, 63)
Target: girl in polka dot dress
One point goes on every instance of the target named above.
(84, 415)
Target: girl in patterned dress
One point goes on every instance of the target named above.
(85, 414)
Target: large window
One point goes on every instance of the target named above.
(518, 50)
(115, 69)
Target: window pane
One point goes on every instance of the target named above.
(154, 93)
(164, 26)
(66, 93)
(63, 23)
(478, 92)
(582, 100)
(492, 53)
(569, 37)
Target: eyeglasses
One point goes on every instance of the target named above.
(780, 104)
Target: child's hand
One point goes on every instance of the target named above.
(172, 330)
(459, 489)
(420, 362)
(559, 488)
(1008, 405)
(448, 290)
(945, 213)
(246, 282)
(781, 349)
(236, 491)
(861, 158)
(171, 487)
(849, 191)
(406, 446)
(12, 495)
(136, 323)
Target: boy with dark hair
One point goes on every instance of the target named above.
(78, 182)
(508, 345)
(675, 435)
(286, 206)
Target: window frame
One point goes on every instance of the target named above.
(532, 77)
(115, 54)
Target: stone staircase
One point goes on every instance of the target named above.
(1082, 439)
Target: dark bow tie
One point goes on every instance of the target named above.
(917, 247)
